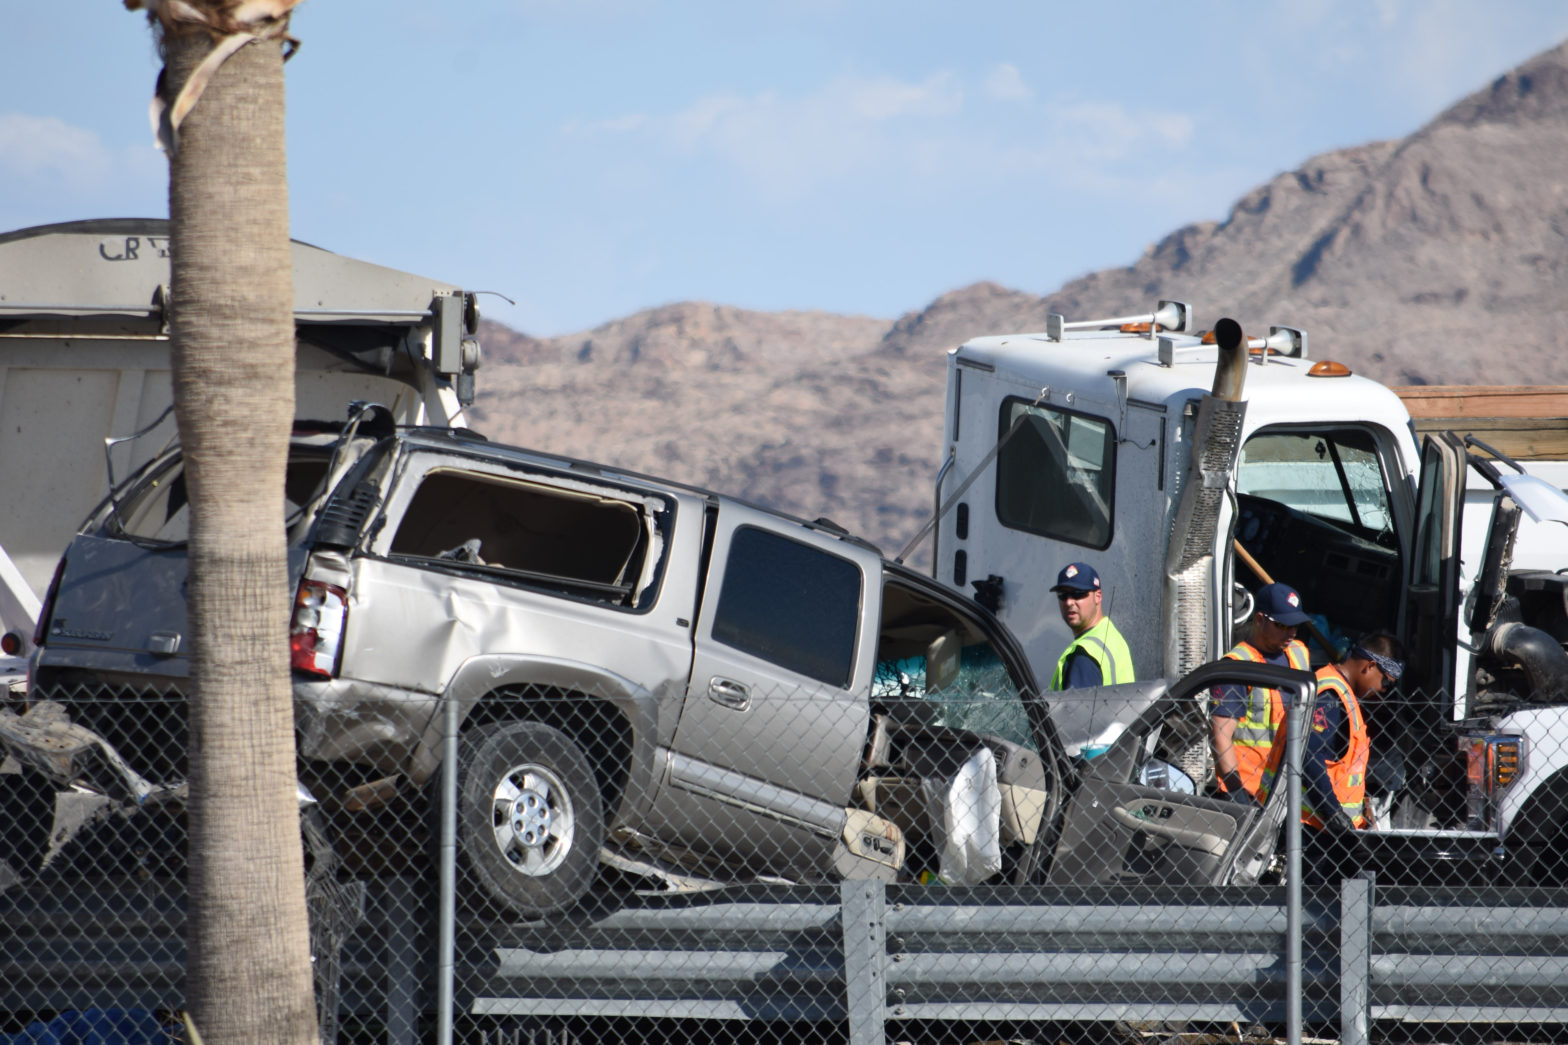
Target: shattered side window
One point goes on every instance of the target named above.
(944, 662)
(981, 697)
(1056, 473)
(577, 539)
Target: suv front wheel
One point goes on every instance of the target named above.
(529, 823)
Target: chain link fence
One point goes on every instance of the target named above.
(950, 871)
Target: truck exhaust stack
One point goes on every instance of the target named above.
(1191, 582)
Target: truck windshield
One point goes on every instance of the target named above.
(1332, 475)
(1314, 509)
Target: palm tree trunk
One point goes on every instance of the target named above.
(248, 975)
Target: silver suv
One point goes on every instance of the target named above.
(646, 675)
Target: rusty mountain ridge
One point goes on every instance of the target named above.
(1440, 258)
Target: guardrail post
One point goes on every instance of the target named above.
(446, 949)
(862, 912)
(1295, 751)
(1355, 959)
(399, 926)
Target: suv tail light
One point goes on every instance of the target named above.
(316, 632)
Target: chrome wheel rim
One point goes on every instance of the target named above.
(533, 819)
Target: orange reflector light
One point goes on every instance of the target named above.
(1139, 328)
(1505, 762)
(10, 643)
(1208, 338)
(1329, 368)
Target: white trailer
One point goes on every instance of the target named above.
(84, 362)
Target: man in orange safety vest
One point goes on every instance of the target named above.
(1338, 747)
(1243, 721)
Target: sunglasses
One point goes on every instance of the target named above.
(1064, 596)
(1277, 623)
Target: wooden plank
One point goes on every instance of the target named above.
(1526, 422)
(1484, 401)
(1523, 439)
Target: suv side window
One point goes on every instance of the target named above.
(791, 604)
(1056, 474)
(577, 542)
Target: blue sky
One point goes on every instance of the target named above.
(589, 158)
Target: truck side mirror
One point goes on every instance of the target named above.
(988, 592)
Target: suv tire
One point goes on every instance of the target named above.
(529, 819)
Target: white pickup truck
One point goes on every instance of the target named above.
(1139, 444)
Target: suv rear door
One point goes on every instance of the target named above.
(770, 737)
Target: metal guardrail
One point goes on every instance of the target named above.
(403, 953)
(872, 959)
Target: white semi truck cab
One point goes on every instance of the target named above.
(1181, 464)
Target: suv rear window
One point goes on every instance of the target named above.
(578, 541)
(790, 604)
(158, 508)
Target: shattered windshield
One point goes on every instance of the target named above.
(1332, 475)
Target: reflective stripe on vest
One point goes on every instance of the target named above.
(1265, 707)
(1348, 773)
(1106, 647)
(1253, 737)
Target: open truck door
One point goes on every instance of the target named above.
(1429, 612)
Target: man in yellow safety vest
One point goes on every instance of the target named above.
(1098, 655)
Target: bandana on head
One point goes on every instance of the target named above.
(1391, 667)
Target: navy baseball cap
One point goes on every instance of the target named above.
(1281, 603)
(1077, 576)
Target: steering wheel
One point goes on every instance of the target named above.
(1241, 599)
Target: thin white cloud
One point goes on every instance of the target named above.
(786, 145)
(46, 148)
(885, 98)
(55, 171)
(909, 135)
(1006, 84)
(1109, 131)
(709, 117)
